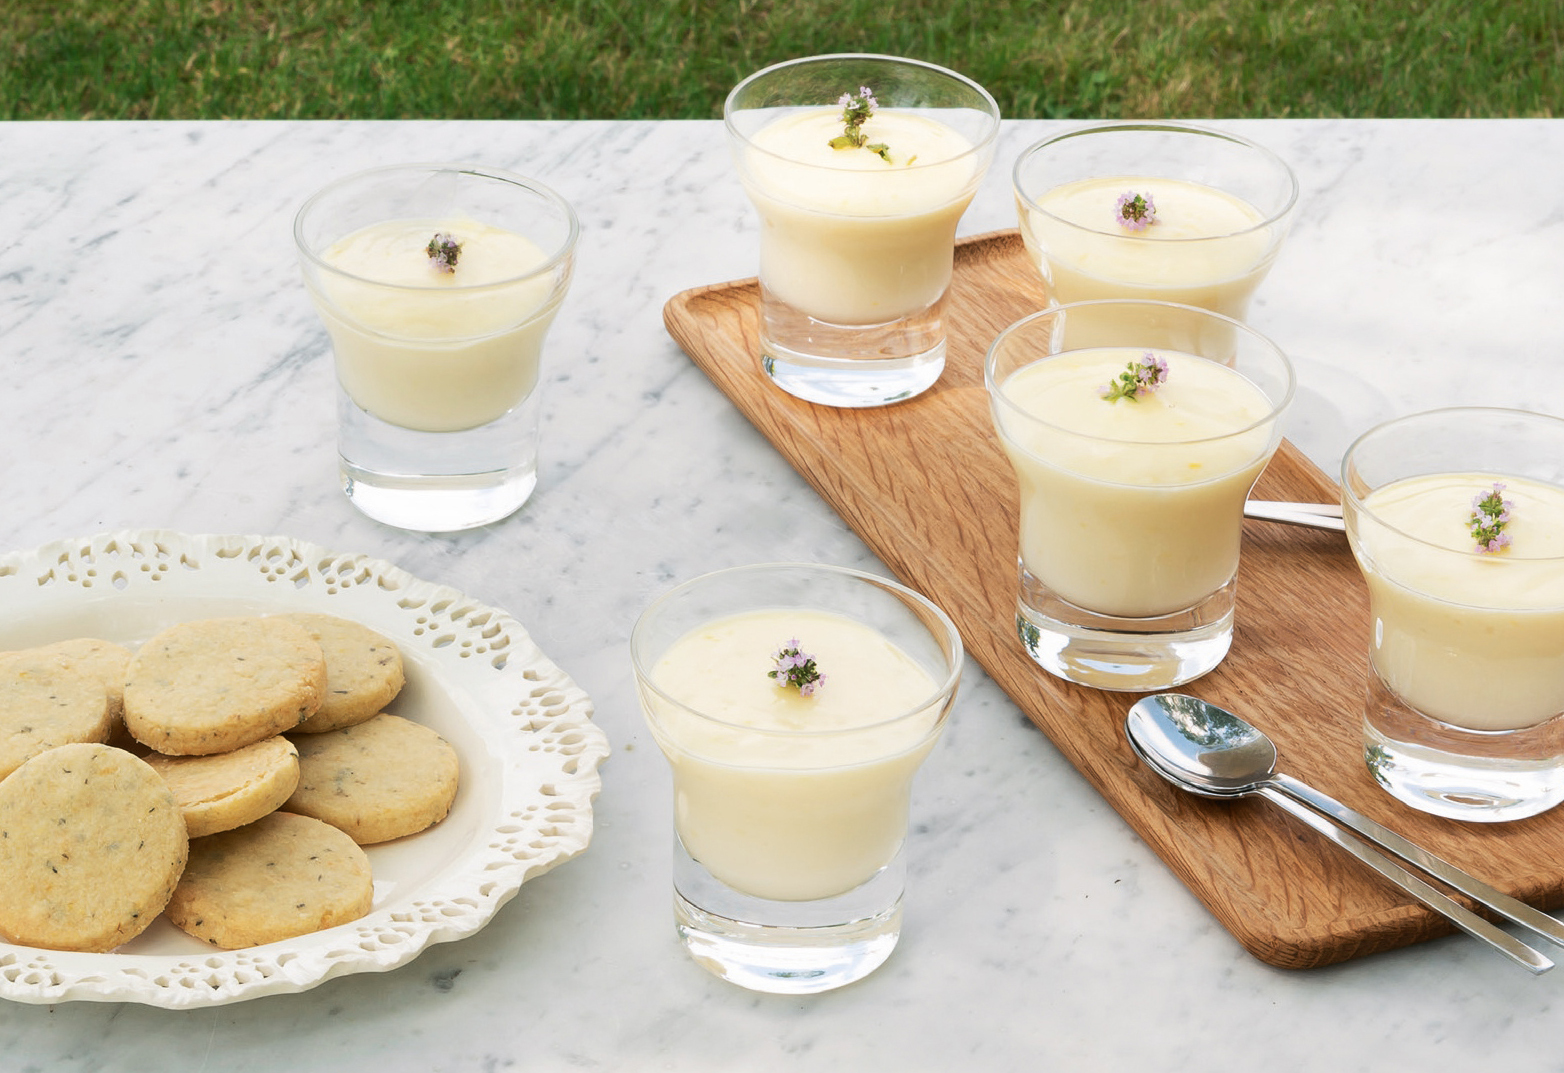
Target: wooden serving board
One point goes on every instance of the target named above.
(925, 485)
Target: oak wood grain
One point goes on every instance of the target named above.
(925, 485)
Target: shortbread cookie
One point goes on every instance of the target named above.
(46, 700)
(228, 790)
(91, 847)
(281, 876)
(363, 672)
(105, 659)
(382, 779)
(108, 661)
(219, 684)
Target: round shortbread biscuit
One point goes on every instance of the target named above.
(91, 847)
(216, 685)
(363, 672)
(281, 876)
(382, 779)
(228, 790)
(105, 659)
(108, 661)
(47, 700)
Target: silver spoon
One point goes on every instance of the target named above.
(1211, 752)
(1313, 515)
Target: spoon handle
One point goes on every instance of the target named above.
(1314, 515)
(1463, 918)
(1510, 908)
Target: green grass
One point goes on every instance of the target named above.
(676, 59)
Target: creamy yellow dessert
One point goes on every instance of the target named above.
(781, 795)
(433, 350)
(847, 236)
(1472, 638)
(1133, 508)
(1207, 248)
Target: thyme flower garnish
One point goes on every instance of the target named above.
(443, 250)
(1135, 211)
(795, 670)
(1490, 514)
(1146, 374)
(855, 112)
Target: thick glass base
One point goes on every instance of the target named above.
(1132, 655)
(1481, 776)
(853, 384)
(786, 948)
(437, 482)
(437, 504)
(848, 365)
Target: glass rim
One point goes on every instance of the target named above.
(547, 193)
(1270, 220)
(1358, 502)
(943, 692)
(980, 147)
(995, 388)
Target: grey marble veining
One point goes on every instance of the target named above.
(165, 370)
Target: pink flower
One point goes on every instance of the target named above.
(1135, 211)
(1490, 514)
(795, 669)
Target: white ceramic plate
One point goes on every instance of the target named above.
(522, 728)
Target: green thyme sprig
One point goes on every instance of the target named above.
(796, 670)
(1147, 373)
(856, 111)
(1490, 514)
(443, 251)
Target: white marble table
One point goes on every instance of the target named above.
(164, 370)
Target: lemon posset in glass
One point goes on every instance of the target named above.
(795, 703)
(1456, 518)
(437, 285)
(1155, 211)
(859, 167)
(1136, 430)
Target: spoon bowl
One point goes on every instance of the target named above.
(1207, 750)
